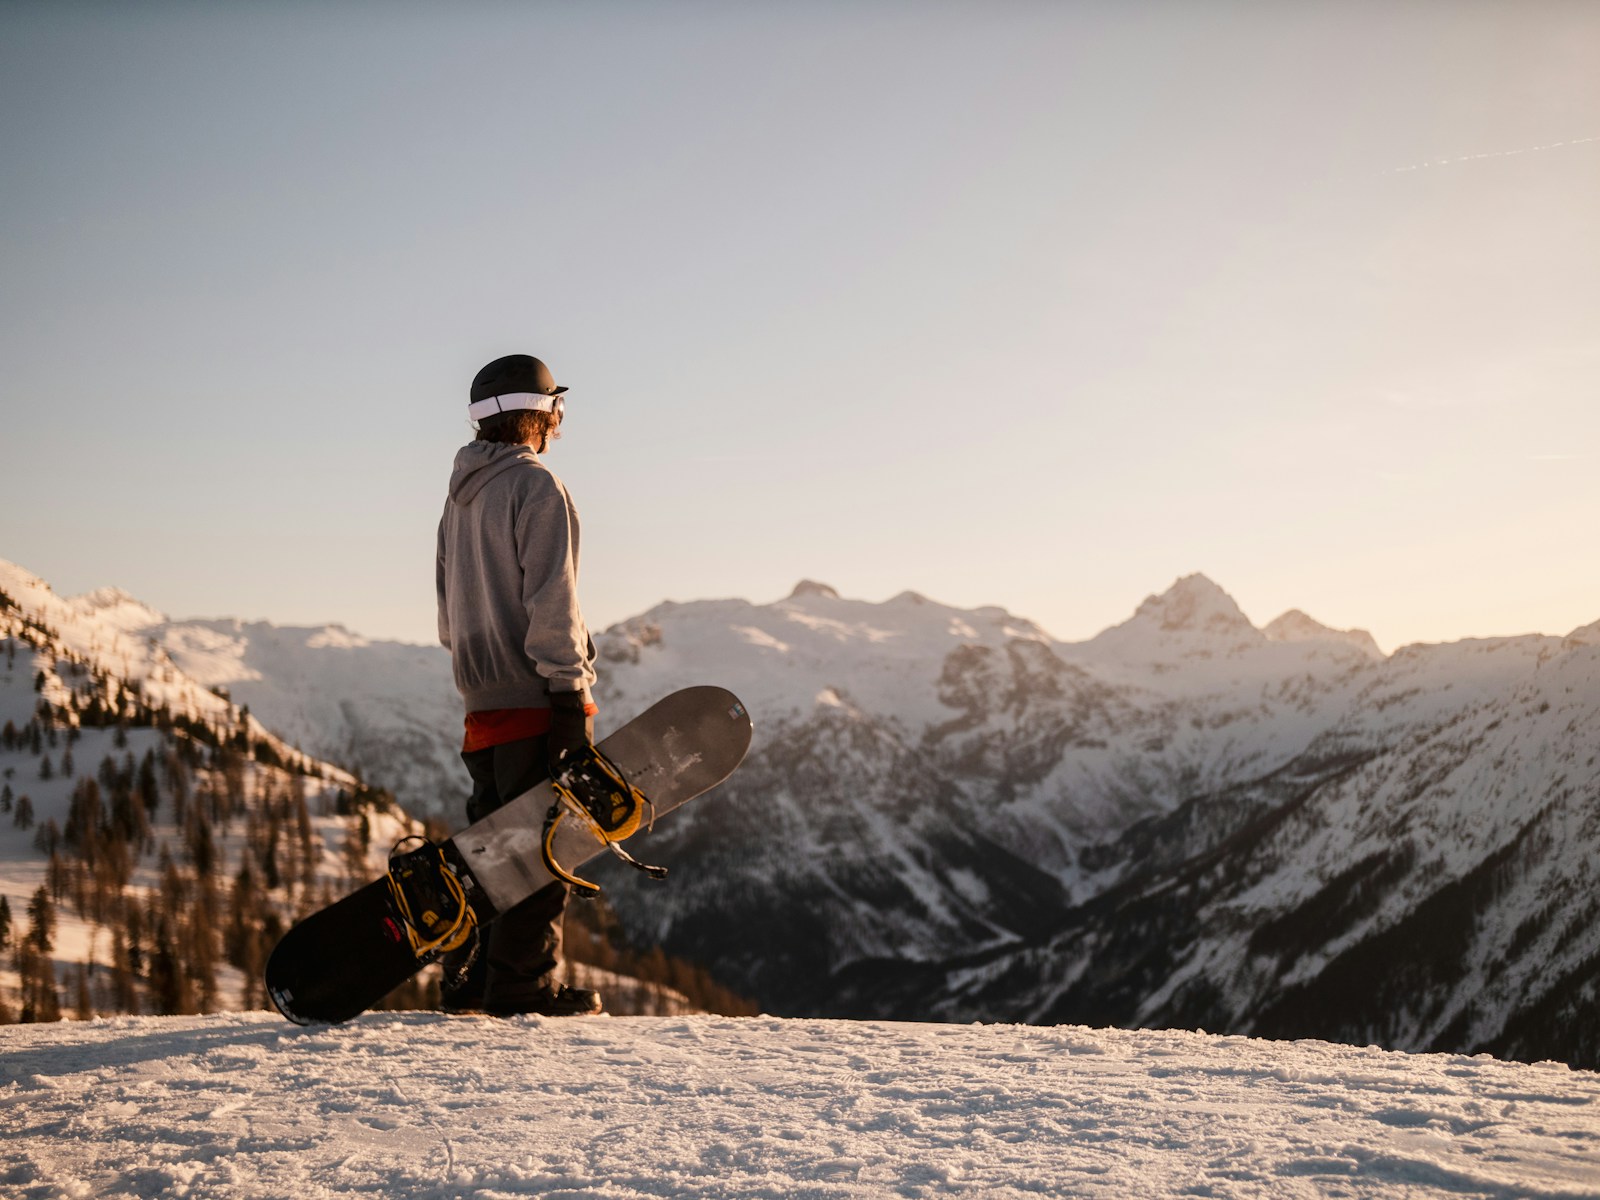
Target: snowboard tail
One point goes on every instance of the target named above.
(340, 961)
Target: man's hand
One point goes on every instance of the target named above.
(569, 726)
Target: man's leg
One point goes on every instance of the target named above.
(517, 965)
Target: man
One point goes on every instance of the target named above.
(522, 656)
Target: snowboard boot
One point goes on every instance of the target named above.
(556, 1001)
(466, 974)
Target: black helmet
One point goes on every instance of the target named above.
(513, 374)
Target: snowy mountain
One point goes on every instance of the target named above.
(1295, 626)
(1184, 820)
(416, 1104)
(155, 839)
(927, 778)
(386, 709)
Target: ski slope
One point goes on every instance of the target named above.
(422, 1105)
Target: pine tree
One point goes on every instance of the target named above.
(47, 997)
(234, 783)
(124, 996)
(57, 879)
(202, 847)
(305, 839)
(83, 1005)
(175, 768)
(180, 802)
(134, 922)
(244, 915)
(35, 968)
(168, 988)
(42, 921)
(146, 789)
(270, 872)
(200, 945)
(84, 818)
(22, 813)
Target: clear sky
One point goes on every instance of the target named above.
(1031, 304)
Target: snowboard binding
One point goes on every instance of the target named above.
(430, 900)
(593, 790)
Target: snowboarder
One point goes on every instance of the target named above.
(522, 656)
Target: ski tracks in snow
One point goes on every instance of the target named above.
(416, 1104)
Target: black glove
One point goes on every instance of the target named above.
(569, 726)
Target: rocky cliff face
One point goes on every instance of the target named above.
(1185, 820)
(1421, 875)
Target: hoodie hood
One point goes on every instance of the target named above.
(479, 462)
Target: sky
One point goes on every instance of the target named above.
(1038, 305)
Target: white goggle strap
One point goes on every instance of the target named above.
(491, 405)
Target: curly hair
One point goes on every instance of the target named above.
(523, 425)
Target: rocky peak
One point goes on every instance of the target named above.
(809, 587)
(1194, 605)
(1194, 618)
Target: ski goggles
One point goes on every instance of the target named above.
(538, 401)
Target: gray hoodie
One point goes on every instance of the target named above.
(508, 581)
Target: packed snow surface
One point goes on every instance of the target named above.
(419, 1104)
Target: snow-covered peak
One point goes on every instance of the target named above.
(22, 584)
(884, 657)
(1296, 626)
(335, 637)
(1194, 605)
(1194, 618)
(388, 708)
(1585, 635)
(110, 629)
(810, 587)
(114, 607)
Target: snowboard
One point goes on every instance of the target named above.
(339, 961)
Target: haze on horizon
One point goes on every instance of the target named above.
(1038, 306)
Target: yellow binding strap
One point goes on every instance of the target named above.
(551, 824)
(429, 930)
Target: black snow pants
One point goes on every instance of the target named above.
(517, 962)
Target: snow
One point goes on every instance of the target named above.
(386, 708)
(418, 1104)
(882, 658)
(96, 629)
(1295, 626)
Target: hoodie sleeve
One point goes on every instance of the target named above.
(438, 580)
(547, 544)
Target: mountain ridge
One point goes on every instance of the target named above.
(944, 806)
